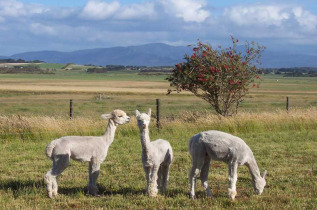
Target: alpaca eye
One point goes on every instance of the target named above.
(119, 116)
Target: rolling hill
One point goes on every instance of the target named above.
(156, 54)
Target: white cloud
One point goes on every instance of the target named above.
(189, 10)
(41, 29)
(305, 18)
(272, 15)
(176, 22)
(257, 14)
(13, 8)
(99, 10)
(136, 11)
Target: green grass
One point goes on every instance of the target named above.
(288, 156)
(283, 144)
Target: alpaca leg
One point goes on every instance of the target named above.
(204, 176)
(147, 171)
(198, 160)
(192, 181)
(165, 177)
(194, 172)
(92, 189)
(160, 178)
(60, 163)
(233, 177)
(49, 183)
(90, 176)
(152, 191)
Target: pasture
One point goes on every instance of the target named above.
(34, 110)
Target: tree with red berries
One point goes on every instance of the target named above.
(221, 77)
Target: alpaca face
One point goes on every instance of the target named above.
(259, 184)
(118, 116)
(143, 119)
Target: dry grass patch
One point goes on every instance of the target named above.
(40, 126)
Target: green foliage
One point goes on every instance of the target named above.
(10, 60)
(115, 67)
(293, 72)
(97, 70)
(219, 76)
(25, 69)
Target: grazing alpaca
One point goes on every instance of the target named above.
(92, 149)
(156, 156)
(216, 145)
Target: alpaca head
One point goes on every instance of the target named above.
(118, 117)
(259, 184)
(143, 119)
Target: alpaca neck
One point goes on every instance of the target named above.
(145, 141)
(108, 136)
(254, 170)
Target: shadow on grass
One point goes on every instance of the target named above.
(103, 191)
(21, 187)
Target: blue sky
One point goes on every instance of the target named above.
(33, 25)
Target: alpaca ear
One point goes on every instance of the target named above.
(106, 116)
(264, 173)
(149, 112)
(137, 113)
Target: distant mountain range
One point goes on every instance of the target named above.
(156, 54)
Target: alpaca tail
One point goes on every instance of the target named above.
(50, 147)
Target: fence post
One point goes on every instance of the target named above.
(287, 104)
(71, 109)
(158, 114)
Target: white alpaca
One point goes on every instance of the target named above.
(217, 145)
(90, 149)
(156, 156)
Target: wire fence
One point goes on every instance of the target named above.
(77, 107)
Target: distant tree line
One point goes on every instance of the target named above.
(29, 69)
(292, 72)
(10, 60)
(115, 67)
(141, 69)
(158, 70)
(97, 70)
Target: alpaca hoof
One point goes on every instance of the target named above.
(209, 195)
(152, 194)
(92, 190)
(152, 190)
(193, 197)
(50, 195)
(232, 193)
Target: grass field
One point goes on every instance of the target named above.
(50, 94)
(34, 111)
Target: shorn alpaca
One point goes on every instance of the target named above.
(92, 149)
(156, 157)
(217, 145)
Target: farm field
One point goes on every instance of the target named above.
(34, 110)
(49, 94)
